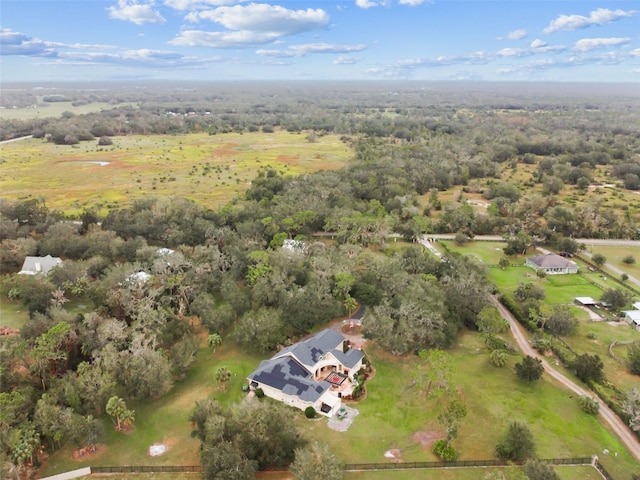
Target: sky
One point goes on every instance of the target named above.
(235, 40)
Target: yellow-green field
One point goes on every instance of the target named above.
(210, 170)
(55, 110)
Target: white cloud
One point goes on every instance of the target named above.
(537, 43)
(412, 3)
(261, 17)
(192, 4)
(199, 38)
(345, 60)
(517, 34)
(515, 52)
(587, 44)
(601, 16)
(309, 48)
(251, 25)
(367, 4)
(138, 13)
(16, 43)
(138, 58)
(635, 53)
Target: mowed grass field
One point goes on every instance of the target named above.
(559, 289)
(210, 170)
(616, 253)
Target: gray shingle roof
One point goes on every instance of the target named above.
(289, 370)
(288, 376)
(33, 265)
(309, 351)
(551, 260)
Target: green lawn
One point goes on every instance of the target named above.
(604, 334)
(167, 419)
(12, 314)
(614, 255)
(393, 412)
(487, 252)
(559, 289)
(389, 417)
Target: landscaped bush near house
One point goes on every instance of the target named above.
(259, 393)
(310, 412)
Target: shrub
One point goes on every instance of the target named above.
(517, 444)
(444, 451)
(541, 344)
(310, 412)
(629, 260)
(259, 393)
(589, 405)
(538, 470)
(530, 369)
(499, 358)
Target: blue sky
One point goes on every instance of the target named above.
(227, 40)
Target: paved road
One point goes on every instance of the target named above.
(617, 425)
(499, 238)
(16, 139)
(613, 269)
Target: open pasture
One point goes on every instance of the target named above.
(210, 170)
(595, 338)
(616, 253)
(55, 110)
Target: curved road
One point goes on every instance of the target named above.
(16, 139)
(617, 425)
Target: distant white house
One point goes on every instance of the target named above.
(294, 245)
(137, 278)
(632, 317)
(39, 265)
(316, 373)
(552, 264)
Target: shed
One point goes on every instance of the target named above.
(586, 301)
(633, 317)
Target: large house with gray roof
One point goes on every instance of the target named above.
(316, 373)
(39, 265)
(552, 264)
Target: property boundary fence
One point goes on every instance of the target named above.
(458, 464)
(353, 467)
(603, 471)
(148, 469)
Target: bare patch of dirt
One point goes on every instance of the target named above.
(426, 439)
(8, 331)
(88, 453)
(288, 159)
(352, 329)
(395, 455)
